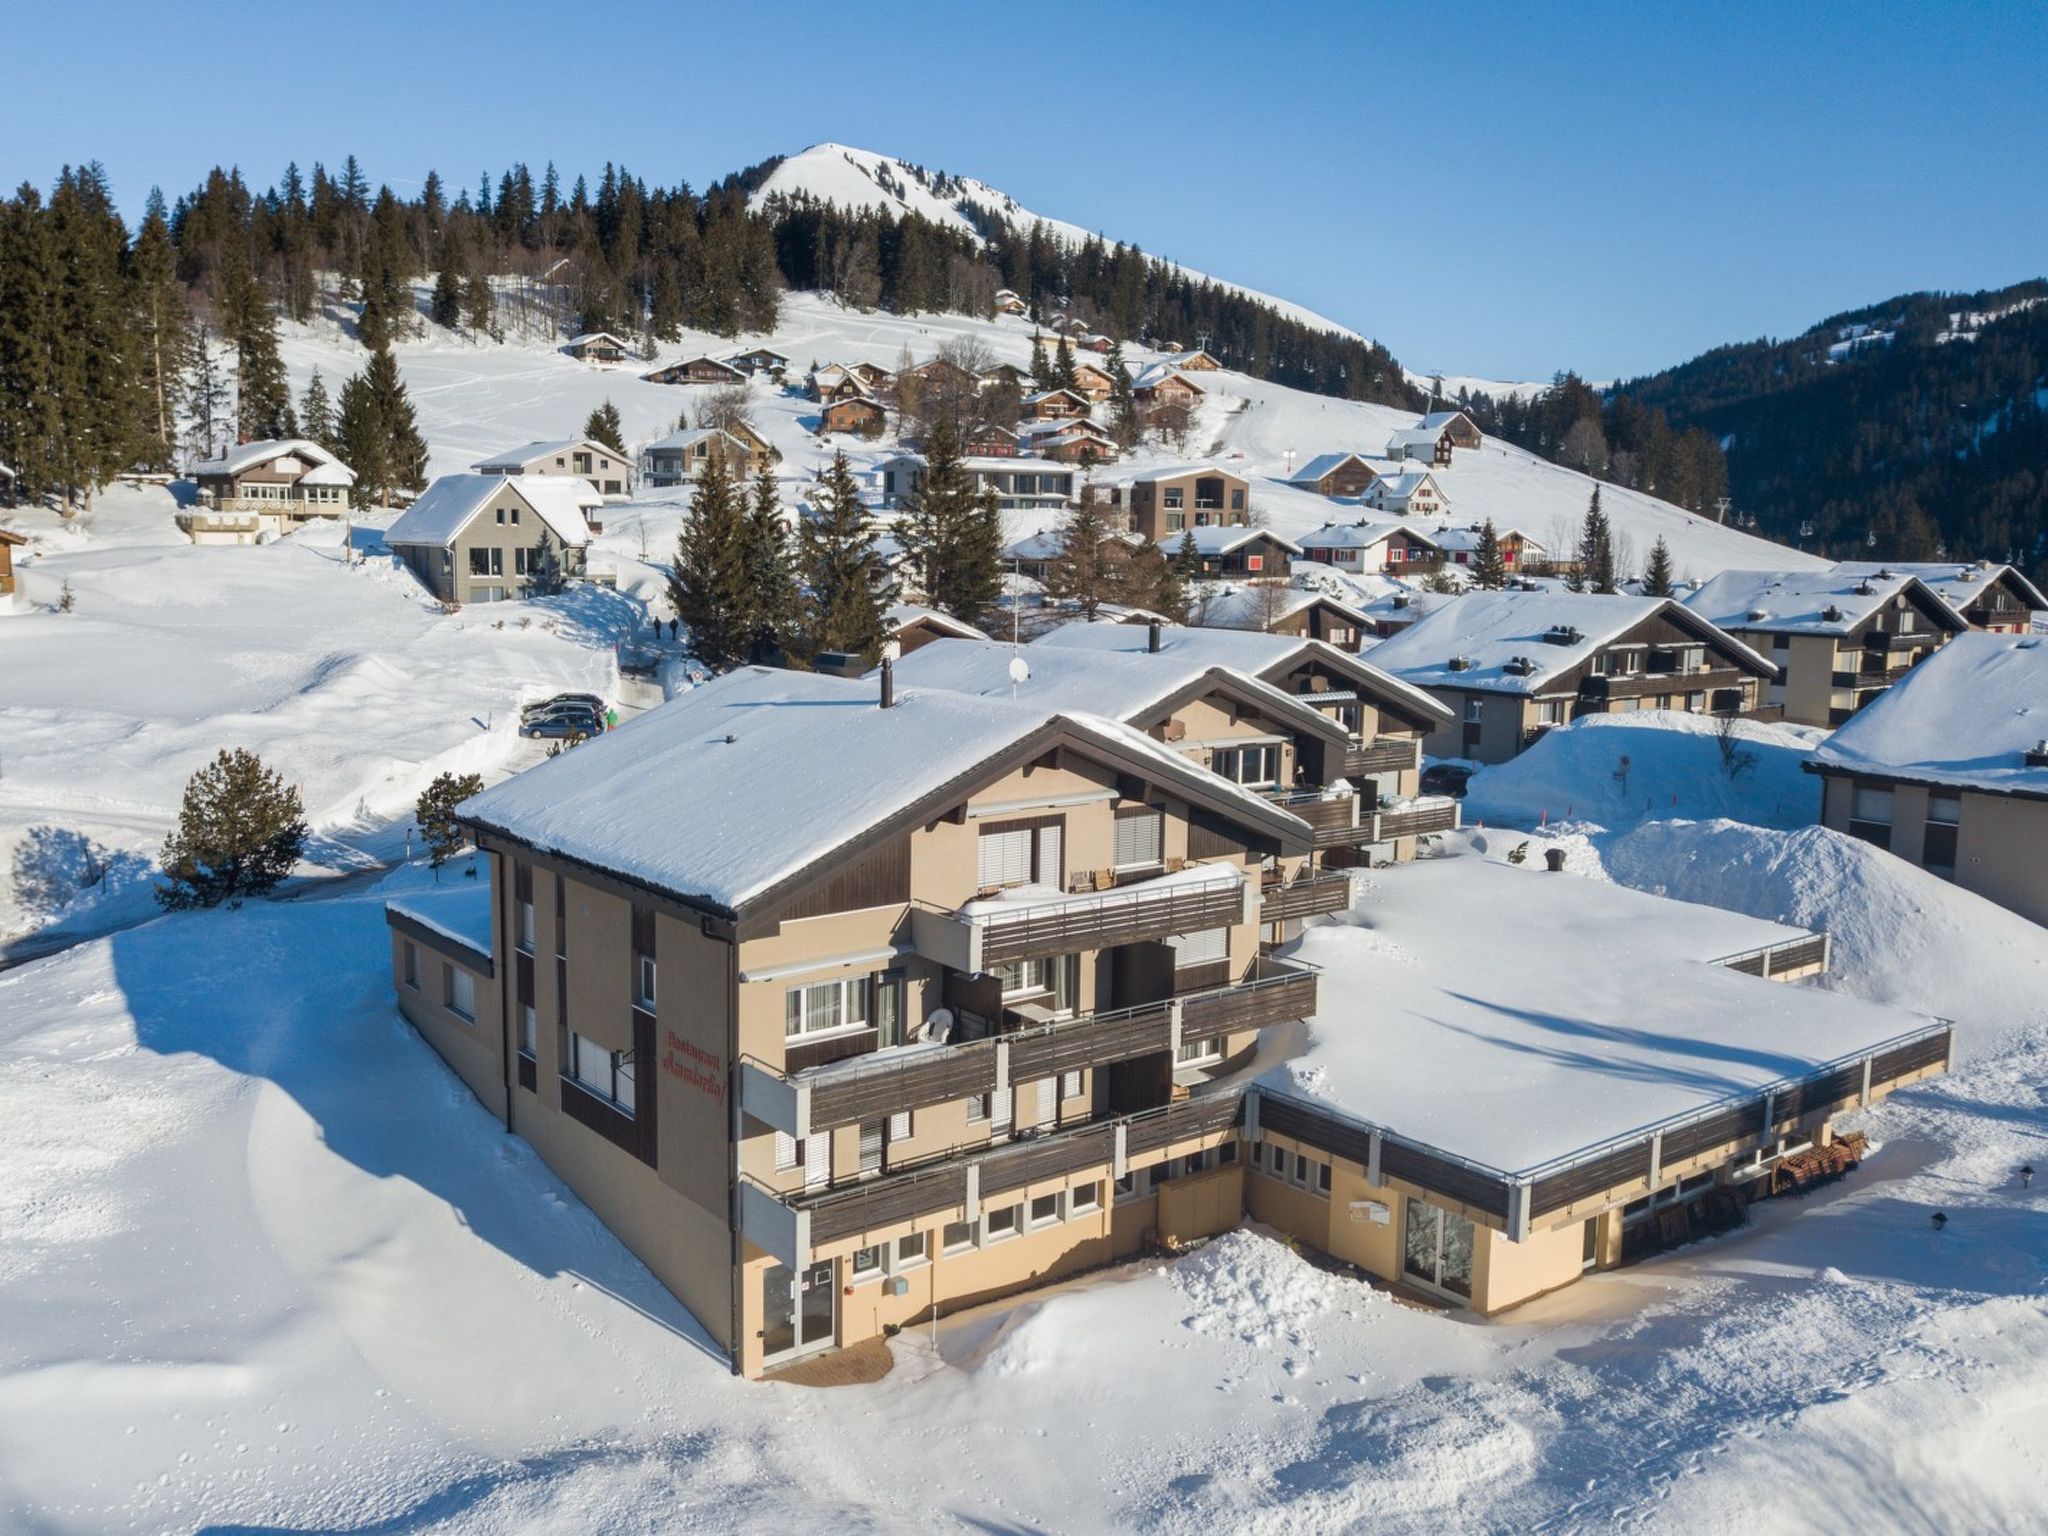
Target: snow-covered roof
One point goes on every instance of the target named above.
(903, 615)
(1053, 394)
(1361, 534)
(440, 515)
(1457, 1008)
(1436, 421)
(589, 337)
(1467, 538)
(1399, 484)
(1412, 437)
(1158, 373)
(1801, 602)
(742, 755)
(1049, 543)
(1244, 650)
(515, 459)
(1959, 584)
(1323, 464)
(1221, 539)
(1257, 607)
(459, 910)
(1151, 473)
(692, 437)
(246, 456)
(1120, 685)
(1490, 630)
(1968, 715)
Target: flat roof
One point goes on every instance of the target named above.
(1512, 1017)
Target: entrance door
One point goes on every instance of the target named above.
(796, 1311)
(1436, 1249)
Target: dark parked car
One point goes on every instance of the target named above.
(1447, 779)
(590, 703)
(563, 724)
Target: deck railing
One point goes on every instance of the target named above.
(1310, 896)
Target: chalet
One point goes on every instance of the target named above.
(1037, 555)
(909, 1050)
(696, 370)
(10, 541)
(1161, 386)
(484, 538)
(942, 373)
(833, 382)
(682, 456)
(1160, 503)
(265, 488)
(990, 440)
(1839, 638)
(598, 347)
(1989, 596)
(1334, 474)
(913, 626)
(1433, 438)
(1019, 484)
(609, 471)
(1483, 1110)
(871, 375)
(1272, 610)
(1460, 546)
(1949, 769)
(1361, 547)
(1237, 550)
(1197, 361)
(858, 415)
(1510, 665)
(1408, 492)
(1070, 442)
(1005, 375)
(1055, 405)
(1095, 342)
(1092, 383)
(1009, 303)
(759, 361)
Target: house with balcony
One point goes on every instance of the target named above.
(599, 347)
(1018, 483)
(1839, 637)
(1460, 546)
(264, 489)
(1161, 503)
(1335, 474)
(855, 414)
(1949, 769)
(759, 361)
(1433, 439)
(681, 457)
(485, 538)
(609, 472)
(1070, 441)
(1163, 386)
(1989, 595)
(696, 370)
(954, 1031)
(1368, 547)
(1238, 552)
(1055, 405)
(1511, 665)
(1485, 1108)
(1304, 612)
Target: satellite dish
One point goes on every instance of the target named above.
(1020, 670)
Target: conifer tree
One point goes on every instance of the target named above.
(446, 308)
(207, 400)
(845, 588)
(262, 394)
(951, 535)
(405, 449)
(1063, 365)
(1186, 570)
(545, 576)
(1041, 372)
(1657, 578)
(316, 413)
(707, 585)
(1124, 422)
(770, 571)
(377, 435)
(1596, 550)
(1489, 563)
(478, 304)
(240, 831)
(163, 334)
(434, 813)
(604, 425)
(665, 303)
(1086, 570)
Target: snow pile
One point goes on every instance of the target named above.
(1617, 770)
(1248, 1287)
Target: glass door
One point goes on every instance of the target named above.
(778, 1311)
(1437, 1248)
(796, 1309)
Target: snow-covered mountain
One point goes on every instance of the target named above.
(861, 178)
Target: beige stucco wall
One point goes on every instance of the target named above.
(2001, 840)
(474, 1048)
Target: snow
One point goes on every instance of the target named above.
(1322, 464)
(1222, 538)
(249, 455)
(459, 908)
(1797, 602)
(1257, 607)
(1019, 901)
(513, 460)
(1965, 716)
(448, 505)
(1361, 533)
(1957, 584)
(1515, 1050)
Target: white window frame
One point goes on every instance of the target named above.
(644, 979)
(900, 1260)
(603, 1072)
(460, 993)
(1145, 847)
(991, 1233)
(1034, 1222)
(1203, 947)
(412, 965)
(964, 1245)
(1076, 1206)
(1233, 764)
(855, 1004)
(525, 939)
(857, 1275)
(1199, 1053)
(529, 1030)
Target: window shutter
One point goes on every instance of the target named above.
(1051, 861)
(1005, 858)
(1873, 804)
(817, 1160)
(1138, 839)
(999, 1109)
(785, 1151)
(1200, 948)
(871, 1146)
(1048, 1100)
(899, 1126)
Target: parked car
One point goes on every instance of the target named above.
(1447, 778)
(588, 702)
(563, 724)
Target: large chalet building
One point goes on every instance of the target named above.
(609, 472)
(1162, 503)
(265, 488)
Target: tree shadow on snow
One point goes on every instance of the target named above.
(56, 866)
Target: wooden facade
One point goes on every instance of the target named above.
(856, 414)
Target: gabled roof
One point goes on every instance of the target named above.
(1152, 473)
(518, 458)
(1800, 602)
(903, 615)
(448, 505)
(1158, 373)
(249, 455)
(1959, 584)
(1412, 437)
(758, 352)
(590, 336)
(1263, 655)
(1436, 421)
(1489, 630)
(691, 362)
(1222, 539)
(1966, 716)
(743, 752)
(1325, 464)
(1257, 607)
(1054, 394)
(1404, 481)
(1361, 535)
(1448, 538)
(693, 436)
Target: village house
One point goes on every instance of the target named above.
(1197, 361)
(1334, 474)
(682, 456)
(1070, 442)
(265, 488)
(10, 541)
(1363, 547)
(1949, 769)
(609, 472)
(1511, 665)
(912, 626)
(760, 360)
(871, 375)
(856, 414)
(1988, 595)
(696, 370)
(834, 381)
(1009, 303)
(1839, 638)
(599, 347)
(915, 1048)
(483, 538)
(1160, 386)
(942, 373)
(990, 440)
(1438, 1131)
(1409, 492)
(1432, 439)
(1461, 545)
(1094, 383)
(1054, 405)
(1161, 503)
(1005, 375)
(1237, 550)
(1274, 610)
(1019, 484)
(1037, 555)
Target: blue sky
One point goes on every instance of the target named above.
(1494, 190)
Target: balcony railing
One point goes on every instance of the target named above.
(1601, 685)
(1308, 897)
(993, 932)
(1416, 818)
(918, 1076)
(1338, 821)
(1899, 640)
(1390, 754)
(1802, 954)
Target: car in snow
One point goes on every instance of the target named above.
(1447, 778)
(562, 724)
(588, 702)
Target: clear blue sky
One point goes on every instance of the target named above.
(1500, 191)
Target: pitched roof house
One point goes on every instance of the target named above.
(1989, 595)
(598, 347)
(1055, 404)
(682, 456)
(266, 487)
(857, 414)
(1334, 474)
(1287, 611)
(1163, 501)
(1408, 492)
(483, 538)
(9, 542)
(696, 370)
(1362, 546)
(609, 472)
(760, 360)
(1434, 437)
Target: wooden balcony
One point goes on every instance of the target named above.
(918, 1076)
(1601, 687)
(1415, 818)
(1310, 896)
(1338, 821)
(993, 932)
(1389, 754)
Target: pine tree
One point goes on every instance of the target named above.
(446, 308)
(478, 304)
(1489, 563)
(316, 413)
(951, 535)
(207, 401)
(1063, 365)
(360, 444)
(604, 425)
(1041, 373)
(1084, 572)
(1125, 424)
(1596, 551)
(262, 393)
(845, 586)
(239, 833)
(405, 450)
(1185, 570)
(163, 334)
(665, 302)
(707, 585)
(434, 813)
(770, 572)
(1657, 579)
(545, 576)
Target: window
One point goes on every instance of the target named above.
(789, 1152)
(1436, 1248)
(412, 965)
(871, 1146)
(1475, 710)
(1004, 1223)
(825, 1007)
(1176, 522)
(867, 1263)
(977, 1109)
(958, 1236)
(1021, 855)
(1130, 1186)
(1053, 980)
(1944, 816)
(643, 981)
(912, 1248)
(501, 521)
(1172, 498)
(1323, 1179)
(901, 1126)
(1255, 562)
(487, 562)
(606, 1073)
(1045, 1210)
(526, 924)
(519, 567)
(1870, 814)
(515, 517)
(1084, 1197)
(1254, 766)
(1237, 501)
(1071, 1085)
(529, 1029)
(1199, 1053)
(458, 992)
(1140, 840)
(1204, 948)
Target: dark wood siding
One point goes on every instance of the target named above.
(882, 879)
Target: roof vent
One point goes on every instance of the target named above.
(2037, 754)
(1401, 599)
(1520, 666)
(1831, 614)
(1758, 615)
(1884, 573)
(1461, 663)
(1864, 588)
(1562, 634)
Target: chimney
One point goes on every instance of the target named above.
(1152, 637)
(1554, 857)
(888, 683)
